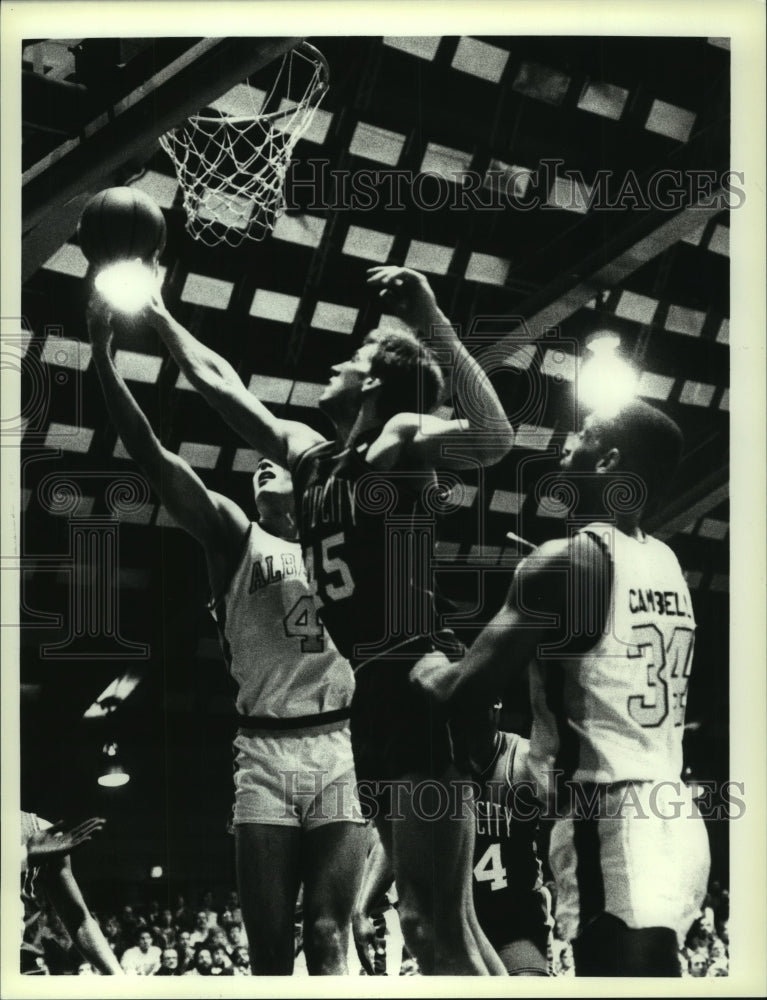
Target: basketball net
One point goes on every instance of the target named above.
(232, 166)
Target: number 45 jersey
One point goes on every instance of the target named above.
(616, 711)
(368, 538)
(278, 653)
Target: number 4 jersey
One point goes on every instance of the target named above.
(616, 712)
(509, 898)
(277, 650)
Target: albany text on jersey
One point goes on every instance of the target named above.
(277, 650)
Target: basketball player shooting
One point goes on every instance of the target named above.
(295, 818)
(608, 687)
(350, 491)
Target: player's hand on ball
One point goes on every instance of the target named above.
(436, 675)
(407, 294)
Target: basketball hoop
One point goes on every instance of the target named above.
(231, 161)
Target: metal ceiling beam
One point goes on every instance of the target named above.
(571, 292)
(691, 506)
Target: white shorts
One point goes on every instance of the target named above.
(301, 778)
(644, 866)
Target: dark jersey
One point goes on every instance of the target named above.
(507, 885)
(368, 539)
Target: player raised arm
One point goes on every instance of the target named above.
(212, 519)
(214, 378)
(428, 438)
(64, 893)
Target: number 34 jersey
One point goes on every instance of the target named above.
(277, 651)
(616, 712)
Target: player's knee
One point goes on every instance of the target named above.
(418, 932)
(323, 936)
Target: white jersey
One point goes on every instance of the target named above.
(278, 653)
(616, 713)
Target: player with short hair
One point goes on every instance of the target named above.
(294, 815)
(365, 506)
(608, 684)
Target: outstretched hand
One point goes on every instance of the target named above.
(436, 676)
(407, 294)
(57, 841)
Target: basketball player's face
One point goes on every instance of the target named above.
(348, 378)
(272, 480)
(584, 455)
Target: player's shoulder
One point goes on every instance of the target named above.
(302, 441)
(517, 749)
(582, 549)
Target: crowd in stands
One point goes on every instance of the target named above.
(210, 940)
(706, 950)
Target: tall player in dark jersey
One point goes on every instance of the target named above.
(364, 503)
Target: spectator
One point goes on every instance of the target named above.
(165, 929)
(144, 958)
(207, 906)
(186, 951)
(183, 916)
(201, 929)
(222, 963)
(152, 917)
(697, 964)
(113, 932)
(718, 968)
(230, 917)
(203, 962)
(235, 936)
(129, 922)
(217, 938)
(241, 961)
(698, 938)
(169, 963)
(723, 930)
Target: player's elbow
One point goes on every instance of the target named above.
(495, 446)
(210, 374)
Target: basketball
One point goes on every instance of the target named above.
(121, 223)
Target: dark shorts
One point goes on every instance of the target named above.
(396, 729)
(518, 916)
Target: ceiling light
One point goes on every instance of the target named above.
(113, 774)
(606, 382)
